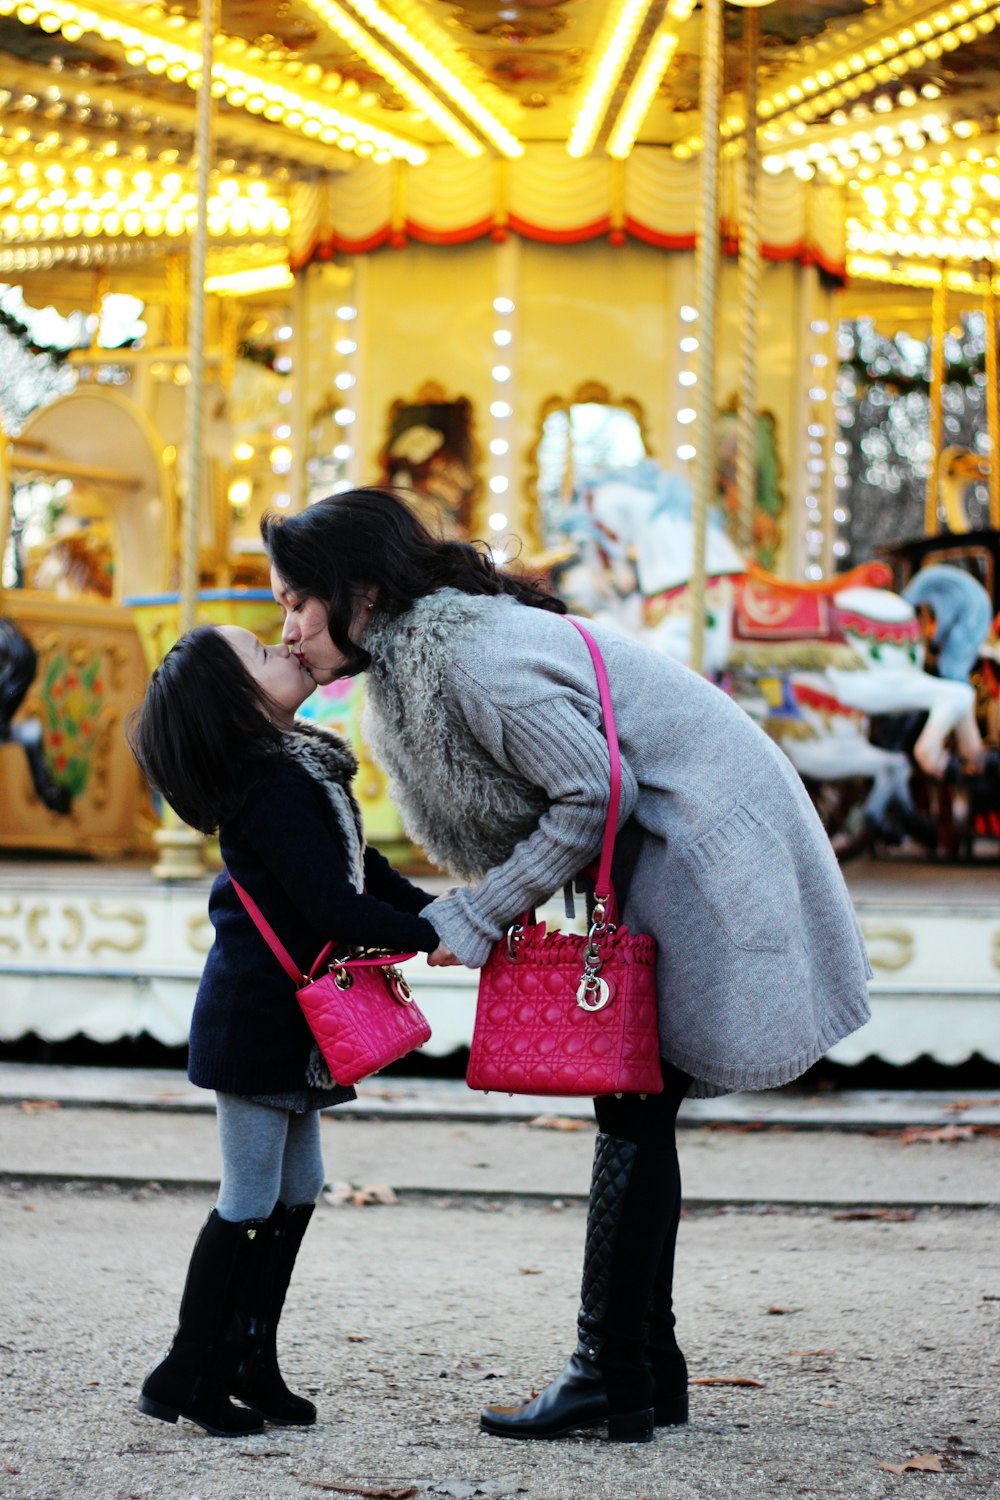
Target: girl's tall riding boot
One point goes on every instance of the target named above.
(257, 1380)
(194, 1379)
(608, 1378)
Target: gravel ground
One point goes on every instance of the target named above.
(874, 1341)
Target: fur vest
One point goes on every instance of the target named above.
(331, 763)
(463, 809)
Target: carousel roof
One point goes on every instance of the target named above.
(892, 104)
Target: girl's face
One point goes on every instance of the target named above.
(306, 630)
(275, 670)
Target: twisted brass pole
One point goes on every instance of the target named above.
(750, 270)
(706, 284)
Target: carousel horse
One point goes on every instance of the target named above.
(812, 662)
(18, 664)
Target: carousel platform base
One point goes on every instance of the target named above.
(107, 951)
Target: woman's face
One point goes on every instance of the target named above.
(275, 670)
(306, 630)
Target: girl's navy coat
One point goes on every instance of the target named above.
(296, 846)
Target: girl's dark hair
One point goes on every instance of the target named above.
(202, 729)
(340, 547)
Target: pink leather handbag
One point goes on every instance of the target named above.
(359, 1009)
(559, 1013)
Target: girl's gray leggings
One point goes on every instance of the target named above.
(268, 1155)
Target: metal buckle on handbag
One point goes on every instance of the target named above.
(515, 937)
(398, 987)
(594, 992)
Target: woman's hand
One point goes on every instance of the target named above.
(442, 957)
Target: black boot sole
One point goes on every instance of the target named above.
(151, 1408)
(624, 1427)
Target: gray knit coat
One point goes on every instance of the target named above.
(485, 714)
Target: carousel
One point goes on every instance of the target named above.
(690, 308)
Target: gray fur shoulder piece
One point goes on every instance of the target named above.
(331, 762)
(467, 812)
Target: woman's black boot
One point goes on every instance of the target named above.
(257, 1381)
(607, 1379)
(194, 1379)
(670, 1372)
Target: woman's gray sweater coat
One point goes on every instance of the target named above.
(485, 713)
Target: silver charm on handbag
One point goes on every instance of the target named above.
(594, 992)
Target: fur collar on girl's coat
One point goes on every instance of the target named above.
(331, 762)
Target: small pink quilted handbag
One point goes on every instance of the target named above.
(559, 1013)
(360, 1010)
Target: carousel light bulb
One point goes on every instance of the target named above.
(687, 377)
(346, 313)
(343, 380)
(503, 305)
(502, 336)
(498, 521)
(345, 346)
(342, 452)
(500, 373)
(686, 452)
(239, 491)
(499, 484)
(687, 414)
(344, 416)
(500, 409)
(688, 314)
(688, 345)
(499, 446)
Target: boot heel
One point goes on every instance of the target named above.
(150, 1408)
(631, 1427)
(671, 1411)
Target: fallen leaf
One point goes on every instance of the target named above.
(360, 1489)
(943, 1134)
(530, 1271)
(891, 1215)
(929, 1463)
(727, 1380)
(32, 1106)
(473, 1370)
(341, 1193)
(356, 1338)
(782, 1312)
(559, 1122)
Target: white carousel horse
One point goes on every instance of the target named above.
(642, 516)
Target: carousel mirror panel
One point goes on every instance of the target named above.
(577, 437)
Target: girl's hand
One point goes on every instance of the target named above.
(442, 957)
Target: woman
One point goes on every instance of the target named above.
(483, 706)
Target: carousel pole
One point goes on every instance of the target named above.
(203, 145)
(180, 847)
(992, 396)
(706, 286)
(939, 315)
(750, 269)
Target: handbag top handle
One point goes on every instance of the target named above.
(602, 885)
(282, 954)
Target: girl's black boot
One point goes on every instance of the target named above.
(607, 1379)
(257, 1380)
(194, 1379)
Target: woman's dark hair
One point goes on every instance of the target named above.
(202, 729)
(340, 547)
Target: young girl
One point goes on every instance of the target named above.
(216, 734)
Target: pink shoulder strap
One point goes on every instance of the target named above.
(602, 886)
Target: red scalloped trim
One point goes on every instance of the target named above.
(336, 244)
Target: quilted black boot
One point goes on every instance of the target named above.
(193, 1380)
(258, 1382)
(608, 1378)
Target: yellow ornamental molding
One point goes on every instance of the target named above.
(200, 932)
(8, 910)
(890, 946)
(134, 919)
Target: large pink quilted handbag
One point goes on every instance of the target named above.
(559, 1013)
(359, 1009)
